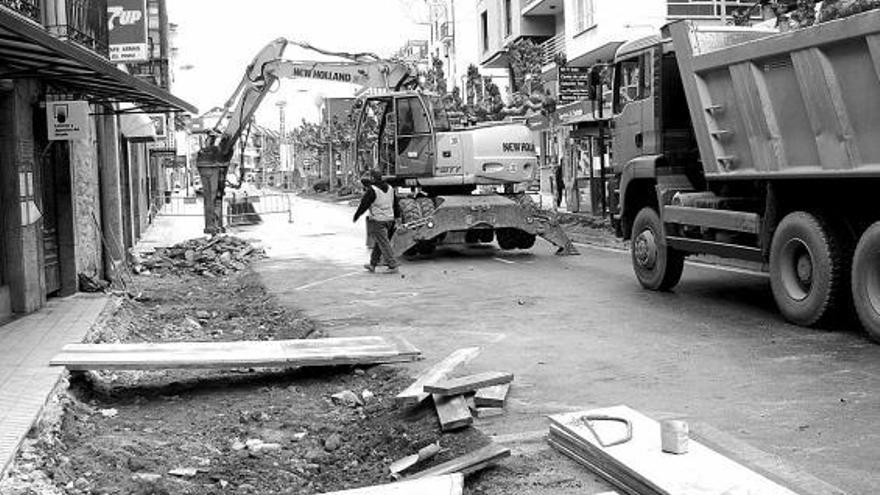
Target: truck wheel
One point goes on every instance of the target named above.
(657, 266)
(507, 238)
(807, 268)
(866, 281)
(410, 210)
(426, 206)
(526, 240)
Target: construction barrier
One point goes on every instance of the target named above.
(238, 209)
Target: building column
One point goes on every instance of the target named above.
(111, 193)
(19, 194)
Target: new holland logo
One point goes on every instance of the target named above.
(518, 147)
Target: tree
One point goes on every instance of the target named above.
(526, 58)
(794, 14)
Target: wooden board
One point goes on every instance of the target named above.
(415, 393)
(468, 463)
(493, 396)
(453, 412)
(470, 383)
(447, 484)
(489, 412)
(272, 353)
(701, 471)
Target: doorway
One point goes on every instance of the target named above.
(56, 206)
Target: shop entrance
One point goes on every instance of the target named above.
(53, 160)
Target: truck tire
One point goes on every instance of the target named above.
(866, 281)
(426, 206)
(808, 272)
(526, 240)
(507, 238)
(657, 266)
(410, 210)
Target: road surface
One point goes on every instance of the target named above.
(800, 405)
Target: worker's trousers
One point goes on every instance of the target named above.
(380, 232)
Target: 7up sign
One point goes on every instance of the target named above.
(127, 23)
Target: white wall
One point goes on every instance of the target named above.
(616, 20)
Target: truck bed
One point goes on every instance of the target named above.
(800, 104)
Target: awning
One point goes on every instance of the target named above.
(601, 54)
(137, 127)
(28, 51)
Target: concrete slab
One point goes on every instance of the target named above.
(26, 346)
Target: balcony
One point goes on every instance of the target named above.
(154, 71)
(543, 7)
(28, 8)
(82, 21)
(553, 48)
(446, 31)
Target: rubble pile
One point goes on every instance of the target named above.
(215, 256)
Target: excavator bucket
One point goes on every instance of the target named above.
(507, 214)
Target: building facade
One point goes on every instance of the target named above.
(74, 187)
(578, 40)
(455, 41)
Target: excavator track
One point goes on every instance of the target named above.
(515, 218)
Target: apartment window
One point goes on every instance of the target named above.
(585, 15)
(508, 18)
(484, 30)
(707, 9)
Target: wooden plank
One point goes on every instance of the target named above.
(194, 355)
(489, 412)
(701, 470)
(829, 119)
(470, 383)
(468, 463)
(738, 221)
(573, 453)
(453, 412)
(602, 465)
(447, 484)
(492, 396)
(415, 393)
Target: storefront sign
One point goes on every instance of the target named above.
(67, 120)
(127, 20)
(159, 124)
(578, 111)
(574, 84)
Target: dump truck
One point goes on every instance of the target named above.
(757, 145)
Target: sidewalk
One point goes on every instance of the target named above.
(26, 346)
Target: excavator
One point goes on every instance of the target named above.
(404, 133)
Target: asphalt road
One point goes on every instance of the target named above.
(800, 405)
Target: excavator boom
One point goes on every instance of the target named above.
(267, 67)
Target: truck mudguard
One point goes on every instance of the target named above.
(643, 167)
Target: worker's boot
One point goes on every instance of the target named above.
(370, 268)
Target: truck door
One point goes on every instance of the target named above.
(633, 108)
(415, 140)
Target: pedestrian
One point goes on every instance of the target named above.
(381, 203)
(560, 183)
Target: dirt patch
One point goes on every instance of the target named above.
(223, 431)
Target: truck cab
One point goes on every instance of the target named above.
(397, 132)
(653, 134)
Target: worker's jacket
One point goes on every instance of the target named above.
(382, 209)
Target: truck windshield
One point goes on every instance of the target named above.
(438, 111)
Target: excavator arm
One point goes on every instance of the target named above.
(363, 69)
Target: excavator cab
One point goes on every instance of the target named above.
(396, 134)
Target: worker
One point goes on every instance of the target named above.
(560, 182)
(380, 201)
